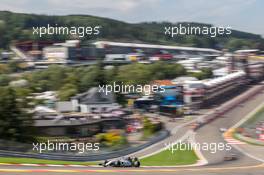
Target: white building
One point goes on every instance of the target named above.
(197, 92)
(56, 53)
(193, 92)
(94, 101)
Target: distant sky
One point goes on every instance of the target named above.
(245, 15)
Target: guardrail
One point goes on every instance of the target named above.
(93, 157)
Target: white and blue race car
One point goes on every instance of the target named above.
(122, 162)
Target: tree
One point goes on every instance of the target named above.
(235, 44)
(161, 70)
(56, 75)
(134, 74)
(3, 39)
(15, 123)
(4, 69)
(100, 77)
(207, 73)
(4, 80)
(89, 78)
(22, 94)
(204, 74)
(13, 66)
(143, 74)
(67, 91)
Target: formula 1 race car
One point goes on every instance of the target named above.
(122, 162)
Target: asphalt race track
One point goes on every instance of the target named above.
(228, 170)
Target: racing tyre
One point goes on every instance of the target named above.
(105, 162)
(117, 163)
(137, 164)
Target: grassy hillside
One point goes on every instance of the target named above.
(18, 26)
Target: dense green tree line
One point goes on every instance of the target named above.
(69, 81)
(17, 26)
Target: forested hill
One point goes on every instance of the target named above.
(18, 26)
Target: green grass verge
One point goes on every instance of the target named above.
(250, 141)
(17, 160)
(251, 122)
(167, 158)
(254, 118)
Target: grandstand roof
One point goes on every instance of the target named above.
(103, 43)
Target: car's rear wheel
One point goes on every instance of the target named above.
(105, 162)
(117, 163)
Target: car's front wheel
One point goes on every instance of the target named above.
(136, 164)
